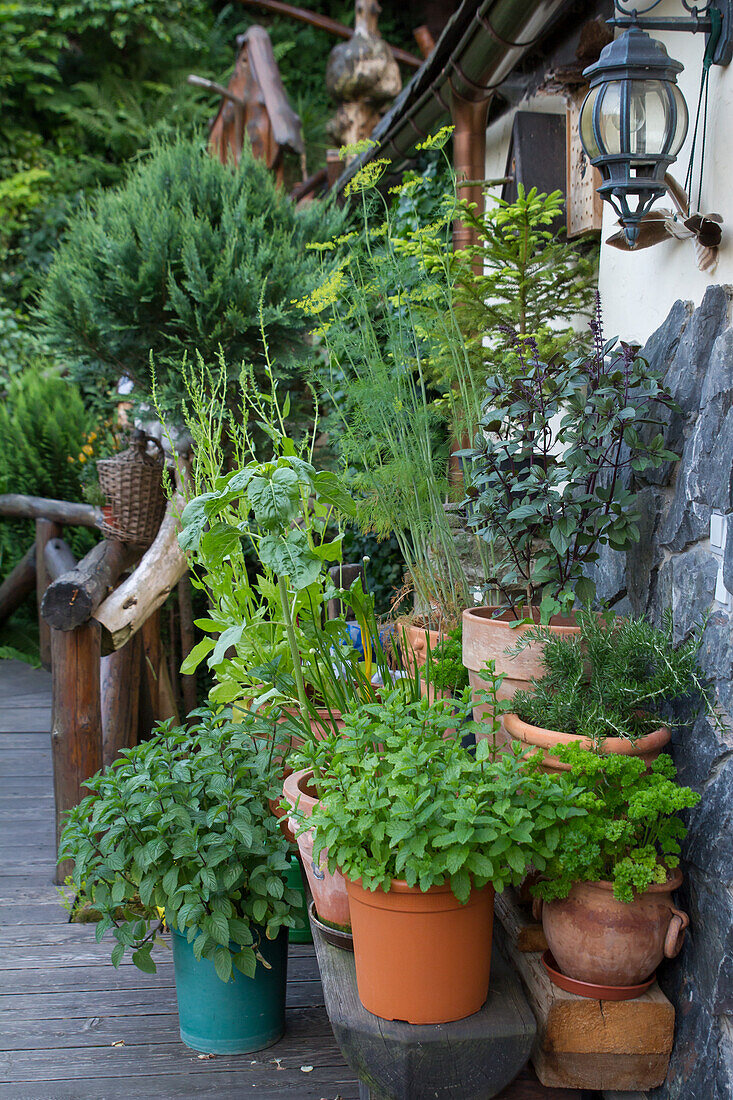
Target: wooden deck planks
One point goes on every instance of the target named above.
(62, 1003)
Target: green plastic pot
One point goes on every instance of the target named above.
(295, 882)
(234, 1017)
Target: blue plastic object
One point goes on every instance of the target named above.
(233, 1017)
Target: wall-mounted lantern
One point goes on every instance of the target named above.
(633, 122)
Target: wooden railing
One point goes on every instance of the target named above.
(100, 638)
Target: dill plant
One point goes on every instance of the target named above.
(398, 376)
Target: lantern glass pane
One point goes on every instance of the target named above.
(680, 132)
(587, 134)
(650, 118)
(609, 122)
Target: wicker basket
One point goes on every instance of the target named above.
(132, 483)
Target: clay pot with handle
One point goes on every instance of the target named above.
(596, 938)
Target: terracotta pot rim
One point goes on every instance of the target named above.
(399, 886)
(293, 791)
(675, 879)
(621, 745)
(506, 619)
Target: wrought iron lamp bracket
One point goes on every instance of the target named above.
(713, 18)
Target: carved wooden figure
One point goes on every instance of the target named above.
(255, 103)
(362, 77)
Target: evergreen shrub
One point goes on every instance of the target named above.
(175, 261)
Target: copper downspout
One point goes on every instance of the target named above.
(469, 158)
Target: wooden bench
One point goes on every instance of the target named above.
(584, 1043)
(471, 1059)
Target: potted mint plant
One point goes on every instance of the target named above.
(179, 830)
(551, 484)
(606, 894)
(424, 831)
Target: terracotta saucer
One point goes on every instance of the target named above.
(590, 989)
(337, 937)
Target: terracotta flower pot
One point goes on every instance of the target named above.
(415, 640)
(485, 638)
(328, 888)
(596, 938)
(421, 957)
(647, 748)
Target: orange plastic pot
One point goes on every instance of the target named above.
(647, 748)
(327, 887)
(421, 957)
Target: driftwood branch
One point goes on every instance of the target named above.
(58, 559)
(18, 584)
(74, 597)
(123, 613)
(17, 506)
(218, 89)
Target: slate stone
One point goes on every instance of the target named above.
(705, 477)
(716, 656)
(690, 578)
(719, 375)
(672, 566)
(687, 373)
(696, 749)
(661, 346)
(609, 575)
(644, 557)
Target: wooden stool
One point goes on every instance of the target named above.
(471, 1059)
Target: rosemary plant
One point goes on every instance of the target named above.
(616, 678)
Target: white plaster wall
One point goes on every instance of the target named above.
(638, 289)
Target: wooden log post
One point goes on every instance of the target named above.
(46, 530)
(59, 559)
(162, 699)
(120, 696)
(18, 584)
(74, 597)
(76, 721)
(131, 604)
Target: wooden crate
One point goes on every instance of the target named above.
(583, 1043)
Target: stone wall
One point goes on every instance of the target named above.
(676, 565)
